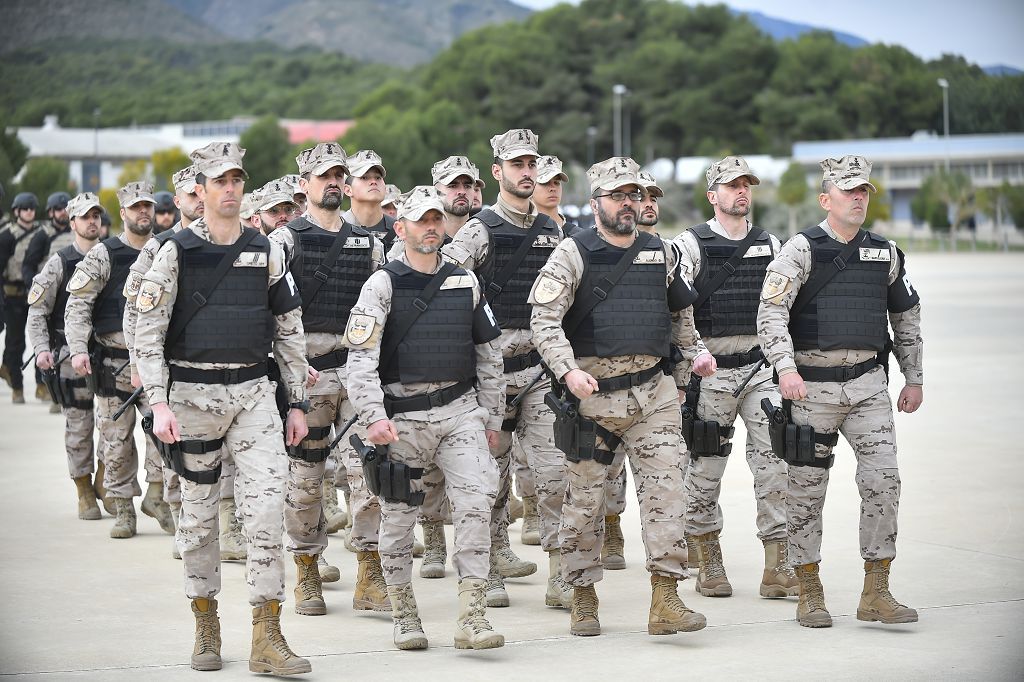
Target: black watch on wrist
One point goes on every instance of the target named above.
(303, 405)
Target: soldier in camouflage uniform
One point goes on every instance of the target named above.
(389, 203)
(93, 324)
(364, 186)
(201, 348)
(276, 206)
(47, 299)
(726, 316)
(298, 195)
(843, 282)
(425, 372)
(610, 348)
(14, 241)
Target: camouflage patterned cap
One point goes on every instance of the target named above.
(727, 170)
(419, 200)
(217, 158)
(360, 163)
(82, 204)
(135, 192)
(446, 170)
(649, 184)
(613, 173)
(184, 181)
(271, 194)
(321, 158)
(247, 208)
(391, 195)
(548, 168)
(293, 180)
(848, 172)
(515, 143)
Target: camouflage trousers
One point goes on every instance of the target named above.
(453, 454)
(117, 441)
(868, 426)
(245, 416)
(337, 470)
(615, 492)
(650, 439)
(521, 474)
(534, 439)
(304, 519)
(704, 474)
(78, 427)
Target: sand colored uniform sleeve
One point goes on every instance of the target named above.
(90, 277)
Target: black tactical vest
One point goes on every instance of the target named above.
(732, 309)
(634, 318)
(384, 231)
(108, 310)
(329, 310)
(850, 310)
(511, 306)
(69, 259)
(235, 324)
(439, 345)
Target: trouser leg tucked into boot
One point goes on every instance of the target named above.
(270, 651)
(206, 653)
(530, 534)
(124, 524)
(583, 619)
(153, 505)
(435, 553)
(232, 541)
(778, 579)
(613, 553)
(309, 596)
(877, 602)
(558, 594)
(88, 510)
(406, 616)
(669, 614)
(711, 579)
(472, 630)
(371, 592)
(811, 611)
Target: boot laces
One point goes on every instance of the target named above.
(586, 603)
(309, 581)
(614, 543)
(475, 614)
(408, 624)
(206, 633)
(712, 559)
(434, 551)
(375, 572)
(882, 589)
(672, 600)
(815, 595)
(494, 580)
(276, 638)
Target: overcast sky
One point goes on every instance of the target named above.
(986, 32)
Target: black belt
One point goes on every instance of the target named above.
(112, 352)
(624, 381)
(740, 359)
(331, 360)
(192, 375)
(837, 374)
(426, 401)
(517, 363)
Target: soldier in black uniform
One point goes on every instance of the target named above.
(14, 242)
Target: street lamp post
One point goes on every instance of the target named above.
(944, 84)
(618, 90)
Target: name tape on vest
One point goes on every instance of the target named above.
(357, 243)
(645, 257)
(545, 241)
(875, 254)
(251, 259)
(758, 251)
(457, 282)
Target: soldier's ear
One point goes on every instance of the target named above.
(496, 171)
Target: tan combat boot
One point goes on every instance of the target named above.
(613, 553)
(232, 540)
(778, 579)
(876, 602)
(337, 518)
(530, 534)
(17, 396)
(692, 556)
(101, 492)
(328, 573)
(175, 515)
(495, 592)
(417, 546)
(435, 553)
(270, 652)
(516, 509)
(206, 653)
(87, 507)
(558, 594)
(309, 596)
(711, 579)
(510, 565)
(583, 619)
(406, 616)
(811, 611)
(371, 592)
(153, 505)
(669, 614)
(472, 631)
(124, 524)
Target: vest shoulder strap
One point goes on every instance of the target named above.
(113, 243)
(729, 267)
(187, 239)
(489, 218)
(807, 293)
(300, 224)
(703, 231)
(421, 303)
(323, 270)
(502, 277)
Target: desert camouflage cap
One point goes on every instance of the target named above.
(248, 206)
(185, 180)
(613, 173)
(82, 204)
(548, 168)
(321, 158)
(419, 200)
(217, 158)
(293, 180)
(135, 192)
(271, 194)
(728, 169)
(649, 184)
(515, 143)
(848, 172)
(446, 170)
(391, 195)
(360, 163)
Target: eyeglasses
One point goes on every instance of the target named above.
(621, 196)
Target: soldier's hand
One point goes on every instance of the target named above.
(44, 360)
(704, 365)
(296, 428)
(382, 432)
(312, 377)
(492, 438)
(910, 399)
(792, 386)
(165, 425)
(580, 383)
(136, 379)
(682, 395)
(80, 363)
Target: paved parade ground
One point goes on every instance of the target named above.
(78, 605)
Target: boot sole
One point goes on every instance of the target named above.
(121, 535)
(368, 605)
(91, 514)
(617, 563)
(412, 644)
(311, 610)
(260, 667)
(207, 666)
(815, 623)
(556, 602)
(592, 631)
(671, 629)
(778, 592)
(330, 576)
(521, 572)
(720, 591)
(530, 539)
(431, 571)
(495, 642)
(874, 617)
(498, 602)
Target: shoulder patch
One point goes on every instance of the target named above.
(457, 282)
(80, 280)
(132, 285)
(775, 285)
(35, 293)
(548, 289)
(149, 295)
(360, 328)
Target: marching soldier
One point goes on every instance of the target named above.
(14, 242)
(276, 206)
(215, 303)
(827, 303)
(425, 373)
(389, 204)
(602, 320)
(364, 186)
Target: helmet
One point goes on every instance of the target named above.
(164, 201)
(25, 200)
(57, 200)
